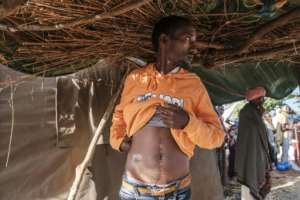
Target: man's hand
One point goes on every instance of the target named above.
(173, 116)
(126, 144)
(266, 188)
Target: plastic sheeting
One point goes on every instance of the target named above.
(229, 84)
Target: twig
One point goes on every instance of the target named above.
(81, 42)
(121, 10)
(266, 28)
(266, 54)
(213, 45)
(9, 6)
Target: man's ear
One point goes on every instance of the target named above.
(163, 39)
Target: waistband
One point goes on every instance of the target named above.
(156, 189)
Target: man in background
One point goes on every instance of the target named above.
(252, 160)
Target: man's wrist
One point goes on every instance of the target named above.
(125, 146)
(187, 122)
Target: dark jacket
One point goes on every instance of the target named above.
(252, 160)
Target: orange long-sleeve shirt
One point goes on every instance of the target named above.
(145, 88)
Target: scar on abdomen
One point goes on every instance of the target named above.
(137, 157)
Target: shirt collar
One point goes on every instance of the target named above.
(174, 71)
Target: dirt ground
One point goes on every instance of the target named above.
(285, 186)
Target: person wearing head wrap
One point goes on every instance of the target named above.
(285, 129)
(252, 161)
(255, 94)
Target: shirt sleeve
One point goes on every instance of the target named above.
(204, 128)
(118, 127)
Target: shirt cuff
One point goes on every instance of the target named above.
(192, 124)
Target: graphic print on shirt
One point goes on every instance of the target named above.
(171, 100)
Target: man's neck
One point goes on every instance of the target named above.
(169, 68)
(259, 107)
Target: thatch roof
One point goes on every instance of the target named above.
(61, 36)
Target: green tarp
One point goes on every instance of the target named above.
(228, 84)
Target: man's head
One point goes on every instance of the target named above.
(256, 95)
(173, 36)
(267, 116)
(285, 109)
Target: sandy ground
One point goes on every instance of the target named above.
(285, 186)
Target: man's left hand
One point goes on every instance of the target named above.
(173, 116)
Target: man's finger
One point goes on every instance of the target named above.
(172, 106)
(165, 110)
(166, 117)
(168, 123)
(169, 107)
(166, 114)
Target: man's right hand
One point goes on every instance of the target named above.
(126, 144)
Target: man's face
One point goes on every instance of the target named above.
(180, 43)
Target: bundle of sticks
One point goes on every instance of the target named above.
(53, 37)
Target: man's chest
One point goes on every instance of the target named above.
(176, 91)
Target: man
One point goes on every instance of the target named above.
(221, 151)
(285, 130)
(252, 161)
(231, 138)
(163, 113)
(271, 131)
(298, 142)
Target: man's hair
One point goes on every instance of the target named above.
(168, 25)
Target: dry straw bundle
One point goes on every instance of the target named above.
(51, 37)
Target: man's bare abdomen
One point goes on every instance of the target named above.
(154, 157)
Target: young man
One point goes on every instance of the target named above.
(252, 159)
(163, 113)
